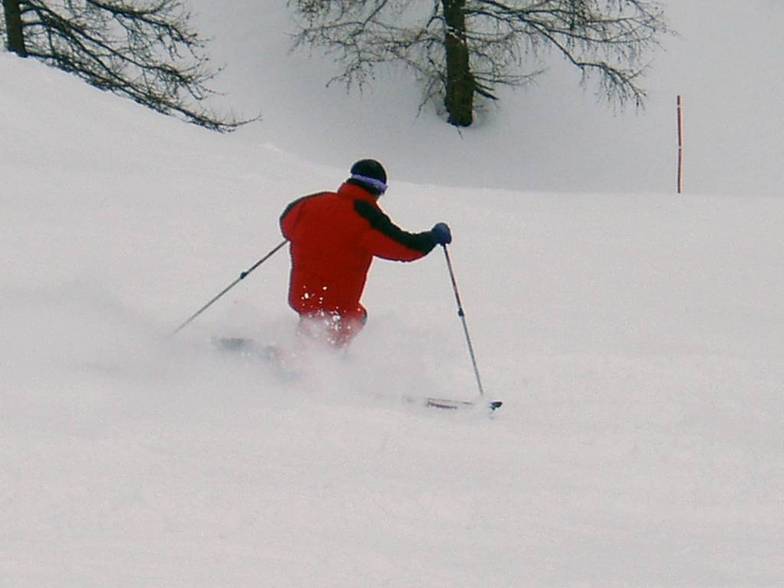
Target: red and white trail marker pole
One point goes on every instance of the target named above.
(680, 144)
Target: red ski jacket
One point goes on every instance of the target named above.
(334, 237)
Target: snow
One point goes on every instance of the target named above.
(635, 340)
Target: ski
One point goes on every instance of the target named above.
(451, 404)
(283, 363)
(247, 347)
(233, 343)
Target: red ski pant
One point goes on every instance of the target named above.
(335, 327)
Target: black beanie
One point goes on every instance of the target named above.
(369, 168)
(370, 174)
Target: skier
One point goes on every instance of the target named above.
(334, 237)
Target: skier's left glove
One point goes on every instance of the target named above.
(441, 234)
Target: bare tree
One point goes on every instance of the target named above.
(462, 49)
(13, 21)
(145, 50)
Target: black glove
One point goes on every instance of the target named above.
(441, 234)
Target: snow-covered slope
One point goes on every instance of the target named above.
(635, 340)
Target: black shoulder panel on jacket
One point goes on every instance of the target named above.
(381, 222)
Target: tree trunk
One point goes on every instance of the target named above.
(14, 29)
(460, 87)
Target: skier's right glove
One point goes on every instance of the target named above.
(441, 234)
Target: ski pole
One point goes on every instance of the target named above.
(243, 275)
(461, 314)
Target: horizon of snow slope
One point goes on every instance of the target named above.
(636, 342)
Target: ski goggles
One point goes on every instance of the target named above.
(377, 185)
